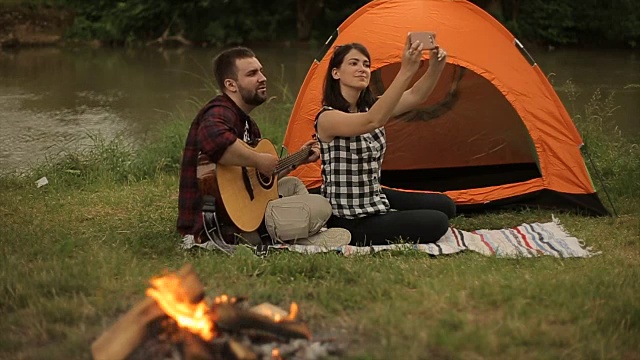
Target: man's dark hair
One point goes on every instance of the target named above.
(224, 64)
(332, 96)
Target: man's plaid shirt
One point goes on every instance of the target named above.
(218, 124)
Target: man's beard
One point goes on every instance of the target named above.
(252, 97)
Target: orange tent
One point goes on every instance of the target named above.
(493, 132)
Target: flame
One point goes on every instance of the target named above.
(275, 354)
(166, 291)
(224, 299)
(293, 311)
(199, 318)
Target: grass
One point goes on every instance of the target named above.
(77, 253)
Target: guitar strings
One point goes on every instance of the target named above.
(291, 160)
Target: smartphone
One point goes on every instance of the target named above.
(427, 38)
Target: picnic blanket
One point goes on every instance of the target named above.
(526, 240)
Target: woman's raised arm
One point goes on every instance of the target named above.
(421, 90)
(338, 123)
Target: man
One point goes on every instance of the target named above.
(217, 131)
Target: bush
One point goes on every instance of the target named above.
(612, 159)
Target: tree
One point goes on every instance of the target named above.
(307, 11)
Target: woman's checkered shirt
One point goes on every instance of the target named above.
(351, 174)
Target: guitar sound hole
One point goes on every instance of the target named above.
(265, 181)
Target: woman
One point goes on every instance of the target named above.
(350, 128)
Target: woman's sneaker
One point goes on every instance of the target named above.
(330, 238)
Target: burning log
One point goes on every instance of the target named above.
(175, 321)
(234, 319)
(122, 338)
(127, 333)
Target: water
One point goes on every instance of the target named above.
(50, 98)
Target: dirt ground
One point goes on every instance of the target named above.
(32, 26)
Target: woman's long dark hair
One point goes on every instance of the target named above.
(332, 96)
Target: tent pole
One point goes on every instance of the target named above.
(586, 151)
(326, 46)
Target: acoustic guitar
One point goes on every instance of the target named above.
(242, 193)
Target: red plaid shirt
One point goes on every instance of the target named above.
(218, 124)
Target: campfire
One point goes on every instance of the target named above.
(176, 321)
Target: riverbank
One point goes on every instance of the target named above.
(25, 25)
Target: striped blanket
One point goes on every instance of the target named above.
(526, 240)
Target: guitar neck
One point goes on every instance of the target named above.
(293, 160)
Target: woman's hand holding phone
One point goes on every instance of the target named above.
(437, 56)
(412, 55)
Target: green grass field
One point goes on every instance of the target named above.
(77, 253)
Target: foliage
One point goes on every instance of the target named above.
(335, 12)
(613, 159)
(120, 21)
(611, 23)
(602, 23)
(548, 21)
(115, 160)
(588, 23)
(203, 21)
(239, 21)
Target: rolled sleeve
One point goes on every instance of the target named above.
(215, 134)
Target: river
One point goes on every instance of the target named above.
(52, 98)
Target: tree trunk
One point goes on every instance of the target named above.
(515, 7)
(307, 11)
(495, 7)
(510, 9)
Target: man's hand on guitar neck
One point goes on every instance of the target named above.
(314, 147)
(239, 154)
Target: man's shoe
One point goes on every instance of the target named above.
(332, 237)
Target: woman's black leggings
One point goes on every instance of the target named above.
(420, 217)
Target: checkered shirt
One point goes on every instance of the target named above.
(351, 174)
(218, 124)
